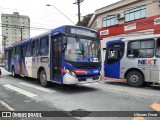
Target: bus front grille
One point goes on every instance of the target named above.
(95, 77)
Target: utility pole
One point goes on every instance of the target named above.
(21, 32)
(4, 41)
(79, 13)
(4, 45)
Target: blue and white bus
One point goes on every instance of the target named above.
(137, 59)
(65, 55)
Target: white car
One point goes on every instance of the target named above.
(2, 64)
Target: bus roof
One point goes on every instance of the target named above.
(58, 29)
(133, 38)
(142, 37)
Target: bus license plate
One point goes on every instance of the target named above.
(89, 79)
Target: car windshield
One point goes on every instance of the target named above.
(82, 50)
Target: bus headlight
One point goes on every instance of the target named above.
(67, 71)
(73, 74)
(70, 72)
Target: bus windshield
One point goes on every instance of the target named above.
(82, 50)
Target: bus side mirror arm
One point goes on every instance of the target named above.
(64, 48)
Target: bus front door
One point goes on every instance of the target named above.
(114, 54)
(22, 60)
(56, 59)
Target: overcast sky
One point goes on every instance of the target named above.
(42, 16)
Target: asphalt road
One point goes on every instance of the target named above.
(25, 94)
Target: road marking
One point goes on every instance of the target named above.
(138, 118)
(127, 90)
(6, 105)
(37, 87)
(155, 106)
(19, 90)
(95, 83)
(87, 84)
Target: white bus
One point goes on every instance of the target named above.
(137, 59)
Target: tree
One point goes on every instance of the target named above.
(84, 22)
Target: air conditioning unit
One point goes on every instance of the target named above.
(120, 16)
(155, 1)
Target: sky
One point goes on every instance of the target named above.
(42, 16)
(47, 17)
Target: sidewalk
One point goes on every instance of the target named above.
(114, 80)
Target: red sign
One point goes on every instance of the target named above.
(133, 26)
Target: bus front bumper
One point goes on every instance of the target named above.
(69, 79)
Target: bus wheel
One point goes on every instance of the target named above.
(43, 78)
(135, 79)
(13, 72)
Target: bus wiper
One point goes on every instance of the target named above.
(81, 46)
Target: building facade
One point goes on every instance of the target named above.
(15, 27)
(126, 18)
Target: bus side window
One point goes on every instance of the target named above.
(16, 51)
(6, 54)
(28, 49)
(44, 46)
(35, 48)
(158, 48)
(24, 51)
(141, 49)
(115, 52)
(13, 52)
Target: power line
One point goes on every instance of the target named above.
(61, 13)
(17, 26)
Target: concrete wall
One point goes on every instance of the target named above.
(120, 7)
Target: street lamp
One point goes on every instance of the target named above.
(61, 13)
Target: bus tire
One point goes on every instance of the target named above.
(43, 78)
(13, 72)
(135, 79)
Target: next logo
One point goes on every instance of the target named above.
(148, 62)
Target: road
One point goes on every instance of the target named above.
(26, 94)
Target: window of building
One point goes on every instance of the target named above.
(44, 46)
(141, 49)
(109, 21)
(136, 13)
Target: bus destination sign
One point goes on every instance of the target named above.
(83, 32)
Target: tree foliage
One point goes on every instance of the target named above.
(84, 22)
